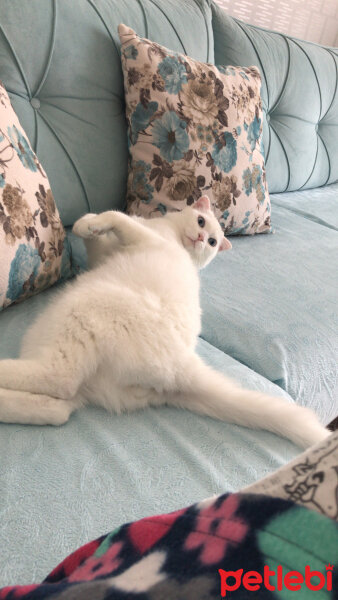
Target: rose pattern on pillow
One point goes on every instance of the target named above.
(193, 129)
(32, 237)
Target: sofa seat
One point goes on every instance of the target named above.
(61, 487)
(271, 302)
(319, 205)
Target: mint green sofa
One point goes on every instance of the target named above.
(269, 306)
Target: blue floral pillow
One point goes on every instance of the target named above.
(32, 238)
(193, 129)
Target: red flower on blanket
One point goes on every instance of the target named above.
(73, 561)
(95, 567)
(145, 533)
(216, 529)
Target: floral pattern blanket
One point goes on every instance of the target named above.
(238, 546)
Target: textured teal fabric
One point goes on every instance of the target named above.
(271, 302)
(300, 100)
(60, 62)
(74, 483)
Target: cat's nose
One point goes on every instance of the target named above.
(201, 237)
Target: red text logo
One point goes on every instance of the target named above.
(291, 580)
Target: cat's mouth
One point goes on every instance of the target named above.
(195, 243)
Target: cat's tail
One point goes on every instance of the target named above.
(208, 392)
(34, 409)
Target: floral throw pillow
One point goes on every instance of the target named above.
(193, 129)
(31, 233)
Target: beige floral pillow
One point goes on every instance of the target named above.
(193, 129)
(31, 233)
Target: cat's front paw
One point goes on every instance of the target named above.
(81, 227)
(102, 223)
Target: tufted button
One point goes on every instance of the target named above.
(35, 103)
(268, 117)
(316, 126)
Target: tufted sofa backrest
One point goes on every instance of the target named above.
(300, 100)
(60, 63)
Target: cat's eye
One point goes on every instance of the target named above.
(201, 221)
(212, 241)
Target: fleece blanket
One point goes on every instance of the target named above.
(237, 546)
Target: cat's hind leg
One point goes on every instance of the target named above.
(208, 392)
(58, 374)
(58, 368)
(81, 330)
(34, 409)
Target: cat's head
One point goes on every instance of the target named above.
(201, 233)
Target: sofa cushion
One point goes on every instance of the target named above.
(60, 62)
(32, 237)
(193, 129)
(271, 302)
(300, 100)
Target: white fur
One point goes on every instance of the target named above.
(123, 334)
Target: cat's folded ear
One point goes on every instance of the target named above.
(225, 245)
(203, 203)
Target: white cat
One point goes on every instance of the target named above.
(123, 334)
